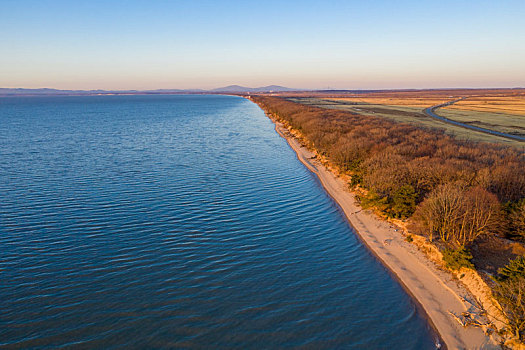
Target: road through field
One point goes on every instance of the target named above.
(430, 111)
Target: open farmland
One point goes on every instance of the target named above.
(513, 104)
(500, 113)
(498, 110)
(507, 123)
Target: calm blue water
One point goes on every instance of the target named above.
(178, 221)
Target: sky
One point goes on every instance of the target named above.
(148, 44)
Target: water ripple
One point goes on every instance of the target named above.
(178, 222)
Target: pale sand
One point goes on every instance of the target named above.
(436, 291)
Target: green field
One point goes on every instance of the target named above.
(508, 123)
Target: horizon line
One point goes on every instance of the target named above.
(267, 86)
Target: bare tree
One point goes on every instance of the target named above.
(481, 215)
(459, 215)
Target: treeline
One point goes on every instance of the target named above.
(451, 191)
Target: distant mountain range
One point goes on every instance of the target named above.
(227, 89)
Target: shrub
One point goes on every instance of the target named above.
(515, 268)
(372, 199)
(510, 293)
(516, 213)
(456, 259)
(403, 202)
(356, 179)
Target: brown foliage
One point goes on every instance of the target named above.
(457, 187)
(397, 162)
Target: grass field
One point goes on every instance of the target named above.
(513, 104)
(507, 123)
(502, 111)
(421, 102)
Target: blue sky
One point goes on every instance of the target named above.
(304, 44)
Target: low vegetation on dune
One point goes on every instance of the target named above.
(453, 192)
(510, 293)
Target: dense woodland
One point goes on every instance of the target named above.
(451, 191)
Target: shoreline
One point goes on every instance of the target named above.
(432, 290)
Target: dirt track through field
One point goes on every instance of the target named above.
(430, 111)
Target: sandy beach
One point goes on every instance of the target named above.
(436, 292)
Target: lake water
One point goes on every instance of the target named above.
(182, 222)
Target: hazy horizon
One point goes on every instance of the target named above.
(141, 45)
(257, 87)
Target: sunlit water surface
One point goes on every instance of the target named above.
(178, 221)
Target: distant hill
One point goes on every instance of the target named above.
(226, 89)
